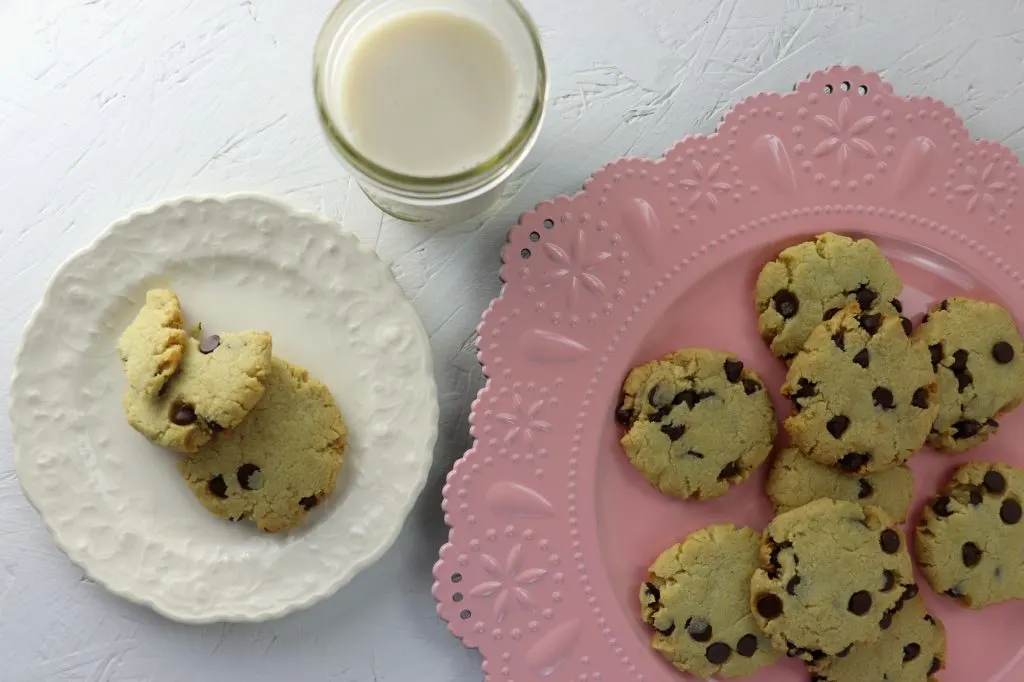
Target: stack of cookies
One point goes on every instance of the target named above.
(830, 580)
(261, 439)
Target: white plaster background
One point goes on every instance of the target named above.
(110, 105)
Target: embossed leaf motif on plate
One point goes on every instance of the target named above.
(574, 269)
(844, 136)
(980, 187)
(508, 582)
(705, 185)
(522, 420)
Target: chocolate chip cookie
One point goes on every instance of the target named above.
(152, 346)
(810, 282)
(863, 393)
(696, 598)
(219, 380)
(796, 480)
(912, 650)
(698, 422)
(978, 354)
(970, 538)
(280, 462)
(832, 575)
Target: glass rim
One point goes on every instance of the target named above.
(461, 181)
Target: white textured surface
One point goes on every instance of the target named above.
(116, 504)
(109, 105)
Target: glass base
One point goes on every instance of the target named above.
(434, 214)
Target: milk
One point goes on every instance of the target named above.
(429, 93)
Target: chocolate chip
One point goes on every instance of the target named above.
(862, 358)
(865, 296)
(928, 617)
(733, 370)
(829, 314)
(750, 386)
(860, 603)
(218, 487)
(889, 541)
(661, 413)
(694, 453)
(994, 481)
(769, 606)
(897, 304)
(852, 462)
(941, 507)
(865, 489)
(871, 323)
(924, 318)
(308, 503)
(624, 416)
(718, 653)
(992, 423)
(805, 389)
(652, 395)
(747, 646)
(920, 398)
(1002, 352)
(1010, 511)
(773, 558)
(699, 629)
(963, 380)
(673, 431)
(966, 428)
(691, 397)
(653, 591)
(883, 398)
(911, 651)
(184, 415)
(955, 592)
(209, 344)
(786, 303)
(845, 652)
(839, 338)
(959, 361)
(792, 584)
(935, 666)
(245, 474)
(837, 425)
(667, 631)
(730, 471)
(888, 580)
(885, 622)
(909, 592)
(970, 553)
(908, 326)
(936, 352)
(944, 305)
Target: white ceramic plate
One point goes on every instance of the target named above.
(116, 505)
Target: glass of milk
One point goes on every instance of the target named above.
(432, 104)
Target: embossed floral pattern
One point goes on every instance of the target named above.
(980, 187)
(522, 420)
(508, 581)
(705, 185)
(576, 267)
(844, 136)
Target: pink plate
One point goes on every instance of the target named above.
(551, 528)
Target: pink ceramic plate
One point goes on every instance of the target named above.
(551, 528)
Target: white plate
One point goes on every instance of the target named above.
(116, 505)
